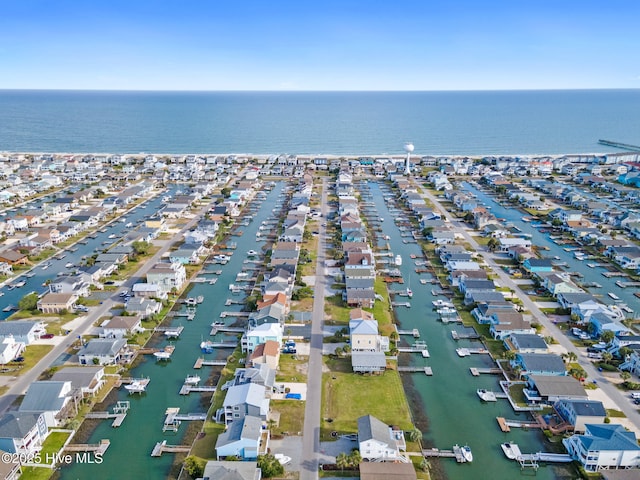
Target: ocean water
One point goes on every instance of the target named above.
(465, 123)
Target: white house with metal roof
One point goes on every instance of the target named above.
(378, 442)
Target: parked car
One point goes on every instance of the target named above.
(47, 335)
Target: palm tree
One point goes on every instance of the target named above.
(342, 461)
(607, 357)
(355, 458)
(572, 356)
(625, 376)
(415, 435)
(607, 336)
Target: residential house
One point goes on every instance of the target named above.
(87, 380)
(549, 389)
(537, 265)
(53, 399)
(23, 331)
(121, 326)
(57, 302)
(378, 442)
(260, 334)
(368, 362)
(242, 439)
(508, 322)
(579, 413)
(148, 290)
(539, 364)
(228, 470)
(22, 432)
(604, 447)
(387, 471)
(142, 307)
(266, 353)
(10, 349)
(245, 400)
(526, 343)
(102, 351)
(167, 276)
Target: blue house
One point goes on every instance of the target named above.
(242, 439)
(540, 364)
(537, 265)
(604, 447)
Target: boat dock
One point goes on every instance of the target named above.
(401, 304)
(490, 371)
(454, 453)
(512, 452)
(460, 336)
(223, 329)
(162, 447)
(614, 274)
(174, 418)
(171, 332)
(627, 284)
(426, 370)
(464, 352)
(97, 448)
(415, 332)
(187, 389)
(119, 413)
(201, 362)
(235, 314)
(506, 425)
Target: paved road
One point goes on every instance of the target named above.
(22, 382)
(607, 387)
(311, 435)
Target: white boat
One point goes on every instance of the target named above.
(442, 303)
(613, 295)
(409, 292)
(192, 380)
(19, 284)
(486, 395)
(129, 225)
(466, 453)
(463, 352)
(398, 260)
(113, 235)
(162, 355)
(511, 450)
(191, 301)
(252, 253)
(136, 387)
(69, 265)
(221, 258)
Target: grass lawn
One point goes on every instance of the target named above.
(615, 413)
(52, 445)
(36, 473)
(517, 393)
(336, 309)
(32, 355)
(290, 370)
(304, 305)
(347, 396)
(291, 415)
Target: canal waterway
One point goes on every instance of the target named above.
(131, 444)
(35, 279)
(590, 274)
(445, 405)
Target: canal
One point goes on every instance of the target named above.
(37, 276)
(590, 274)
(445, 405)
(132, 443)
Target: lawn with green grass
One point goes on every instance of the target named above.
(347, 396)
(291, 415)
(32, 355)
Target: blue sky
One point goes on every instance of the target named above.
(319, 45)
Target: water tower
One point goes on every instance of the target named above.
(408, 147)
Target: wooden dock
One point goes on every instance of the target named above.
(490, 371)
(235, 314)
(454, 453)
(162, 447)
(187, 389)
(118, 418)
(627, 284)
(506, 425)
(97, 448)
(407, 369)
(415, 332)
(401, 304)
(201, 362)
(614, 274)
(460, 336)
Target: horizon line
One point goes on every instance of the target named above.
(316, 90)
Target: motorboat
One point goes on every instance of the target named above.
(137, 386)
(192, 380)
(511, 450)
(466, 453)
(409, 292)
(398, 260)
(191, 301)
(282, 458)
(252, 253)
(206, 346)
(69, 265)
(129, 225)
(486, 395)
(442, 303)
(463, 352)
(162, 355)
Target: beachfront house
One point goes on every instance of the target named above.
(121, 326)
(604, 447)
(167, 276)
(22, 432)
(579, 413)
(526, 343)
(378, 442)
(57, 302)
(244, 438)
(508, 322)
(261, 334)
(143, 307)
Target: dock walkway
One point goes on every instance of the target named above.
(162, 447)
(97, 448)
